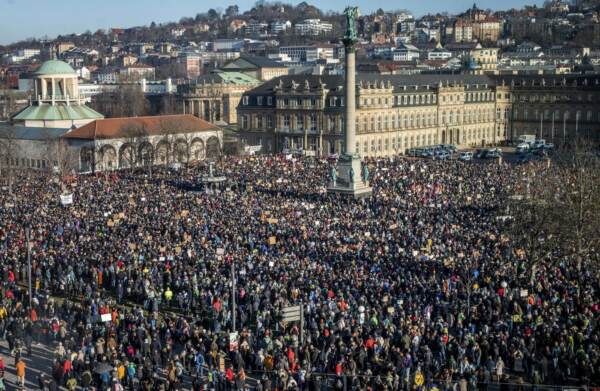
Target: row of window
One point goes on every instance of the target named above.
(27, 163)
(526, 114)
(554, 98)
(398, 100)
(372, 123)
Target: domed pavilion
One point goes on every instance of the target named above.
(55, 102)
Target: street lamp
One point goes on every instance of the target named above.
(28, 244)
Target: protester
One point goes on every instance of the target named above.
(416, 286)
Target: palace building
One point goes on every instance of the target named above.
(397, 112)
(393, 113)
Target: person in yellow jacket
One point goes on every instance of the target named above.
(121, 371)
(168, 295)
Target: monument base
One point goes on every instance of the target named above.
(350, 165)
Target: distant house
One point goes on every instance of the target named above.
(260, 68)
(406, 52)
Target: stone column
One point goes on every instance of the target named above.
(350, 101)
(53, 91)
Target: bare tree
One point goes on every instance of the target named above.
(63, 159)
(125, 101)
(136, 151)
(557, 212)
(8, 154)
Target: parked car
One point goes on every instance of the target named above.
(442, 154)
(466, 156)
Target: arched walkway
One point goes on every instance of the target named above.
(108, 158)
(180, 151)
(126, 156)
(213, 148)
(161, 153)
(146, 154)
(197, 150)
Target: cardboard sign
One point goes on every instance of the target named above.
(272, 221)
(110, 223)
(272, 240)
(233, 342)
(66, 199)
(106, 317)
(524, 293)
(220, 251)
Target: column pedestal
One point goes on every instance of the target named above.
(347, 166)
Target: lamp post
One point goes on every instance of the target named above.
(28, 244)
(233, 309)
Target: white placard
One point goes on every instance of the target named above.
(66, 199)
(106, 317)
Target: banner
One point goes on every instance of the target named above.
(106, 317)
(233, 342)
(66, 199)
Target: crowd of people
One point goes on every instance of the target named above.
(416, 287)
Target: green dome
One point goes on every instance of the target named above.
(55, 67)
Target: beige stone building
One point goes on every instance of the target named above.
(215, 97)
(394, 113)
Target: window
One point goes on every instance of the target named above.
(259, 100)
(286, 121)
(365, 147)
(313, 122)
(299, 122)
(386, 145)
(244, 122)
(332, 101)
(379, 145)
(269, 121)
(245, 100)
(378, 122)
(269, 100)
(259, 122)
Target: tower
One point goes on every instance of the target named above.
(350, 177)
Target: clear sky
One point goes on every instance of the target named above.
(20, 19)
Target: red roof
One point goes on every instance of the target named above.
(150, 126)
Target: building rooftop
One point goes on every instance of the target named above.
(31, 133)
(56, 113)
(227, 78)
(55, 67)
(398, 82)
(147, 126)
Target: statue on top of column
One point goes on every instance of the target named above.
(351, 37)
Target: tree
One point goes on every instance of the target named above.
(63, 158)
(137, 150)
(556, 215)
(8, 154)
(125, 101)
(213, 14)
(232, 11)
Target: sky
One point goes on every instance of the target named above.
(21, 19)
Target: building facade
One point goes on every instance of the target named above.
(123, 143)
(556, 108)
(394, 113)
(215, 97)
